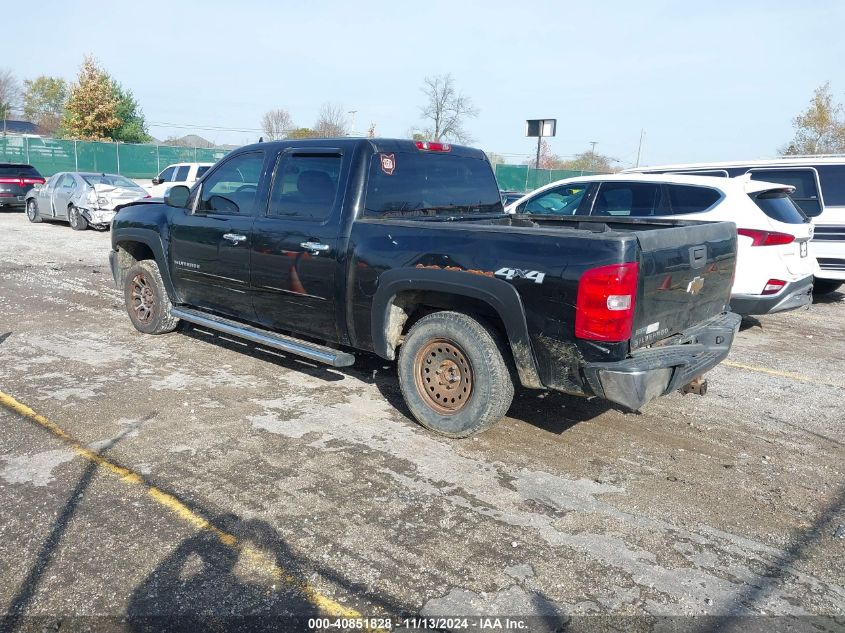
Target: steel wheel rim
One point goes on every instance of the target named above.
(143, 298)
(443, 376)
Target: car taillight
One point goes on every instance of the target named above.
(773, 286)
(32, 181)
(430, 146)
(604, 310)
(766, 238)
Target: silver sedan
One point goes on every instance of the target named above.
(82, 199)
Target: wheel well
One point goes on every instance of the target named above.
(130, 253)
(410, 306)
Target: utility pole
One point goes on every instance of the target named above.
(640, 147)
(352, 114)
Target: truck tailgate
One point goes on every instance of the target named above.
(685, 277)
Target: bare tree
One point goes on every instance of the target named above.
(446, 110)
(276, 124)
(331, 122)
(10, 92)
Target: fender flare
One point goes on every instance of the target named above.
(152, 240)
(501, 296)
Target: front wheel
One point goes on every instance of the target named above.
(146, 299)
(76, 219)
(825, 286)
(32, 211)
(454, 374)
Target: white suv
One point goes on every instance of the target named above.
(774, 269)
(178, 174)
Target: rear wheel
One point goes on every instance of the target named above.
(454, 374)
(146, 299)
(32, 211)
(76, 219)
(825, 286)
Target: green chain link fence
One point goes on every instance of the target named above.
(50, 155)
(525, 178)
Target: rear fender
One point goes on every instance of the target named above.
(499, 295)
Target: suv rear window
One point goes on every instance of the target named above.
(430, 184)
(806, 193)
(690, 199)
(19, 170)
(779, 206)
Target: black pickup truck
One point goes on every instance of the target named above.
(325, 247)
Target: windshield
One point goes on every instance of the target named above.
(112, 180)
(431, 184)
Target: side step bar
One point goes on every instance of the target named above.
(312, 351)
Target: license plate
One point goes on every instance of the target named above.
(803, 250)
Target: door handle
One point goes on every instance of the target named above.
(314, 247)
(234, 238)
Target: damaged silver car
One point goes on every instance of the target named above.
(82, 199)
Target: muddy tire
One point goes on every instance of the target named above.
(825, 286)
(454, 374)
(32, 211)
(146, 299)
(76, 219)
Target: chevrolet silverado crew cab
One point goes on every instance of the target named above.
(326, 247)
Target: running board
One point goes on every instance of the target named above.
(312, 351)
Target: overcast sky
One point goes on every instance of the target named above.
(715, 80)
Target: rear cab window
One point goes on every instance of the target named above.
(409, 184)
(806, 193)
(779, 206)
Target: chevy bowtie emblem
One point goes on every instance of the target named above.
(695, 286)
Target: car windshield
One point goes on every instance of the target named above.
(112, 180)
(431, 184)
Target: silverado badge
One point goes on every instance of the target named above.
(695, 286)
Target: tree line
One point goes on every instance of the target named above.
(97, 107)
(94, 107)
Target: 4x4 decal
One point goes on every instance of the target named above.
(517, 273)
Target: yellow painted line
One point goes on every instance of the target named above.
(781, 374)
(258, 560)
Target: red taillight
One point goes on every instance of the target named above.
(605, 306)
(773, 286)
(32, 181)
(766, 238)
(430, 146)
(22, 180)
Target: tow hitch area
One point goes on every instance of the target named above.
(698, 386)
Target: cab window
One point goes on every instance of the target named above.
(182, 173)
(232, 188)
(563, 200)
(305, 186)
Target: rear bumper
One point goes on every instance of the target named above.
(796, 294)
(12, 202)
(653, 372)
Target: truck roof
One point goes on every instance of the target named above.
(376, 145)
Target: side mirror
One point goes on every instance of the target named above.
(177, 196)
(157, 180)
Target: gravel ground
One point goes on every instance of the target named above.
(261, 485)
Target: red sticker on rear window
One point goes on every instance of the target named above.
(388, 163)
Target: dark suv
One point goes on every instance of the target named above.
(15, 181)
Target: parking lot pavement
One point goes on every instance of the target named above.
(189, 473)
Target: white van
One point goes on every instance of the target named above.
(819, 183)
(178, 174)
